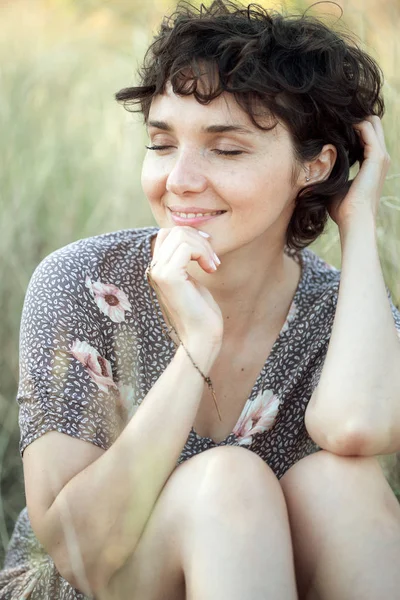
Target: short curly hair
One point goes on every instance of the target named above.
(318, 82)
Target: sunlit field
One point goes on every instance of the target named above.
(71, 158)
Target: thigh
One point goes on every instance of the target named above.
(326, 492)
(202, 483)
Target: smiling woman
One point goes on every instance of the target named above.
(215, 154)
(139, 478)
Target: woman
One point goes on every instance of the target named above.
(143, 348)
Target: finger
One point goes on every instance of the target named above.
(377, 125)
(195, 250)
(179, 235)
(369, 139)
(183, 254)
(161, 236)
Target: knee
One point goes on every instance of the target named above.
(341, 480)
(324, 466)
(231, 480)
(231, 468)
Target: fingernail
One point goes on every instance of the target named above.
(206, 235)
(217, 259)
(214, 266)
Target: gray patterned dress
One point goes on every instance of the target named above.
(91, 348)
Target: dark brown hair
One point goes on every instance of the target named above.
(317, 81)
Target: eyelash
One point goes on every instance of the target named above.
(221, 152)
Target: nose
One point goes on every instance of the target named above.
(186, 175)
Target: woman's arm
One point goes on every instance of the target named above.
(107, 505)
(356, 406)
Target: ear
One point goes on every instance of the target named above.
(320, 168)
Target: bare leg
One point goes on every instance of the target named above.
(219, 529)
(345, 524)
(237, 544)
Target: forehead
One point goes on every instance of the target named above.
(172, 104)
(224, 109)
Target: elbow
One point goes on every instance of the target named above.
(353, 440)
(84, 561)
(90, 580)
(85, 569)
(87, 574)
(346, 444)
(70, 563)
(79, 578)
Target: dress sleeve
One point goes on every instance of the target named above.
(395, 312)
(66, 382)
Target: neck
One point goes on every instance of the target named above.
(249, 292)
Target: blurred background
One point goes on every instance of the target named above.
(70, 156)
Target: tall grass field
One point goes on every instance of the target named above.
(70, 158)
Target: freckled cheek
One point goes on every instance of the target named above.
(153, 181)
(231, 184)
(257, 196)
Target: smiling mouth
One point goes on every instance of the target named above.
(192, 215)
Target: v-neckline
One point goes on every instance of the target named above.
(288, 320)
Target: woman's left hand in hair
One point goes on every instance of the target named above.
(364, 191)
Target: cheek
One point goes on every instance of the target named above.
(152, 180)
(261, 198)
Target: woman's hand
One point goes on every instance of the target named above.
(194, 312)
(365, 189)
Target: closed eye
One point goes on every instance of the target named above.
(229, 152)
(216, 150)
(158, 147)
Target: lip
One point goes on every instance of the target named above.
(195, 220)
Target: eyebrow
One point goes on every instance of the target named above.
(210, 129)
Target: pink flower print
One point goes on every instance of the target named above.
(291, 315)
(98, 367)
(112, 301)
(258, 415)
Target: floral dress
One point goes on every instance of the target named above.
(92, 346)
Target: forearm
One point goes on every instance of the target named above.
(107, 505)
(359, 388)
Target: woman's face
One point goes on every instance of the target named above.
(190, 172)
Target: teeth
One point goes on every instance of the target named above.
(194, 215)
